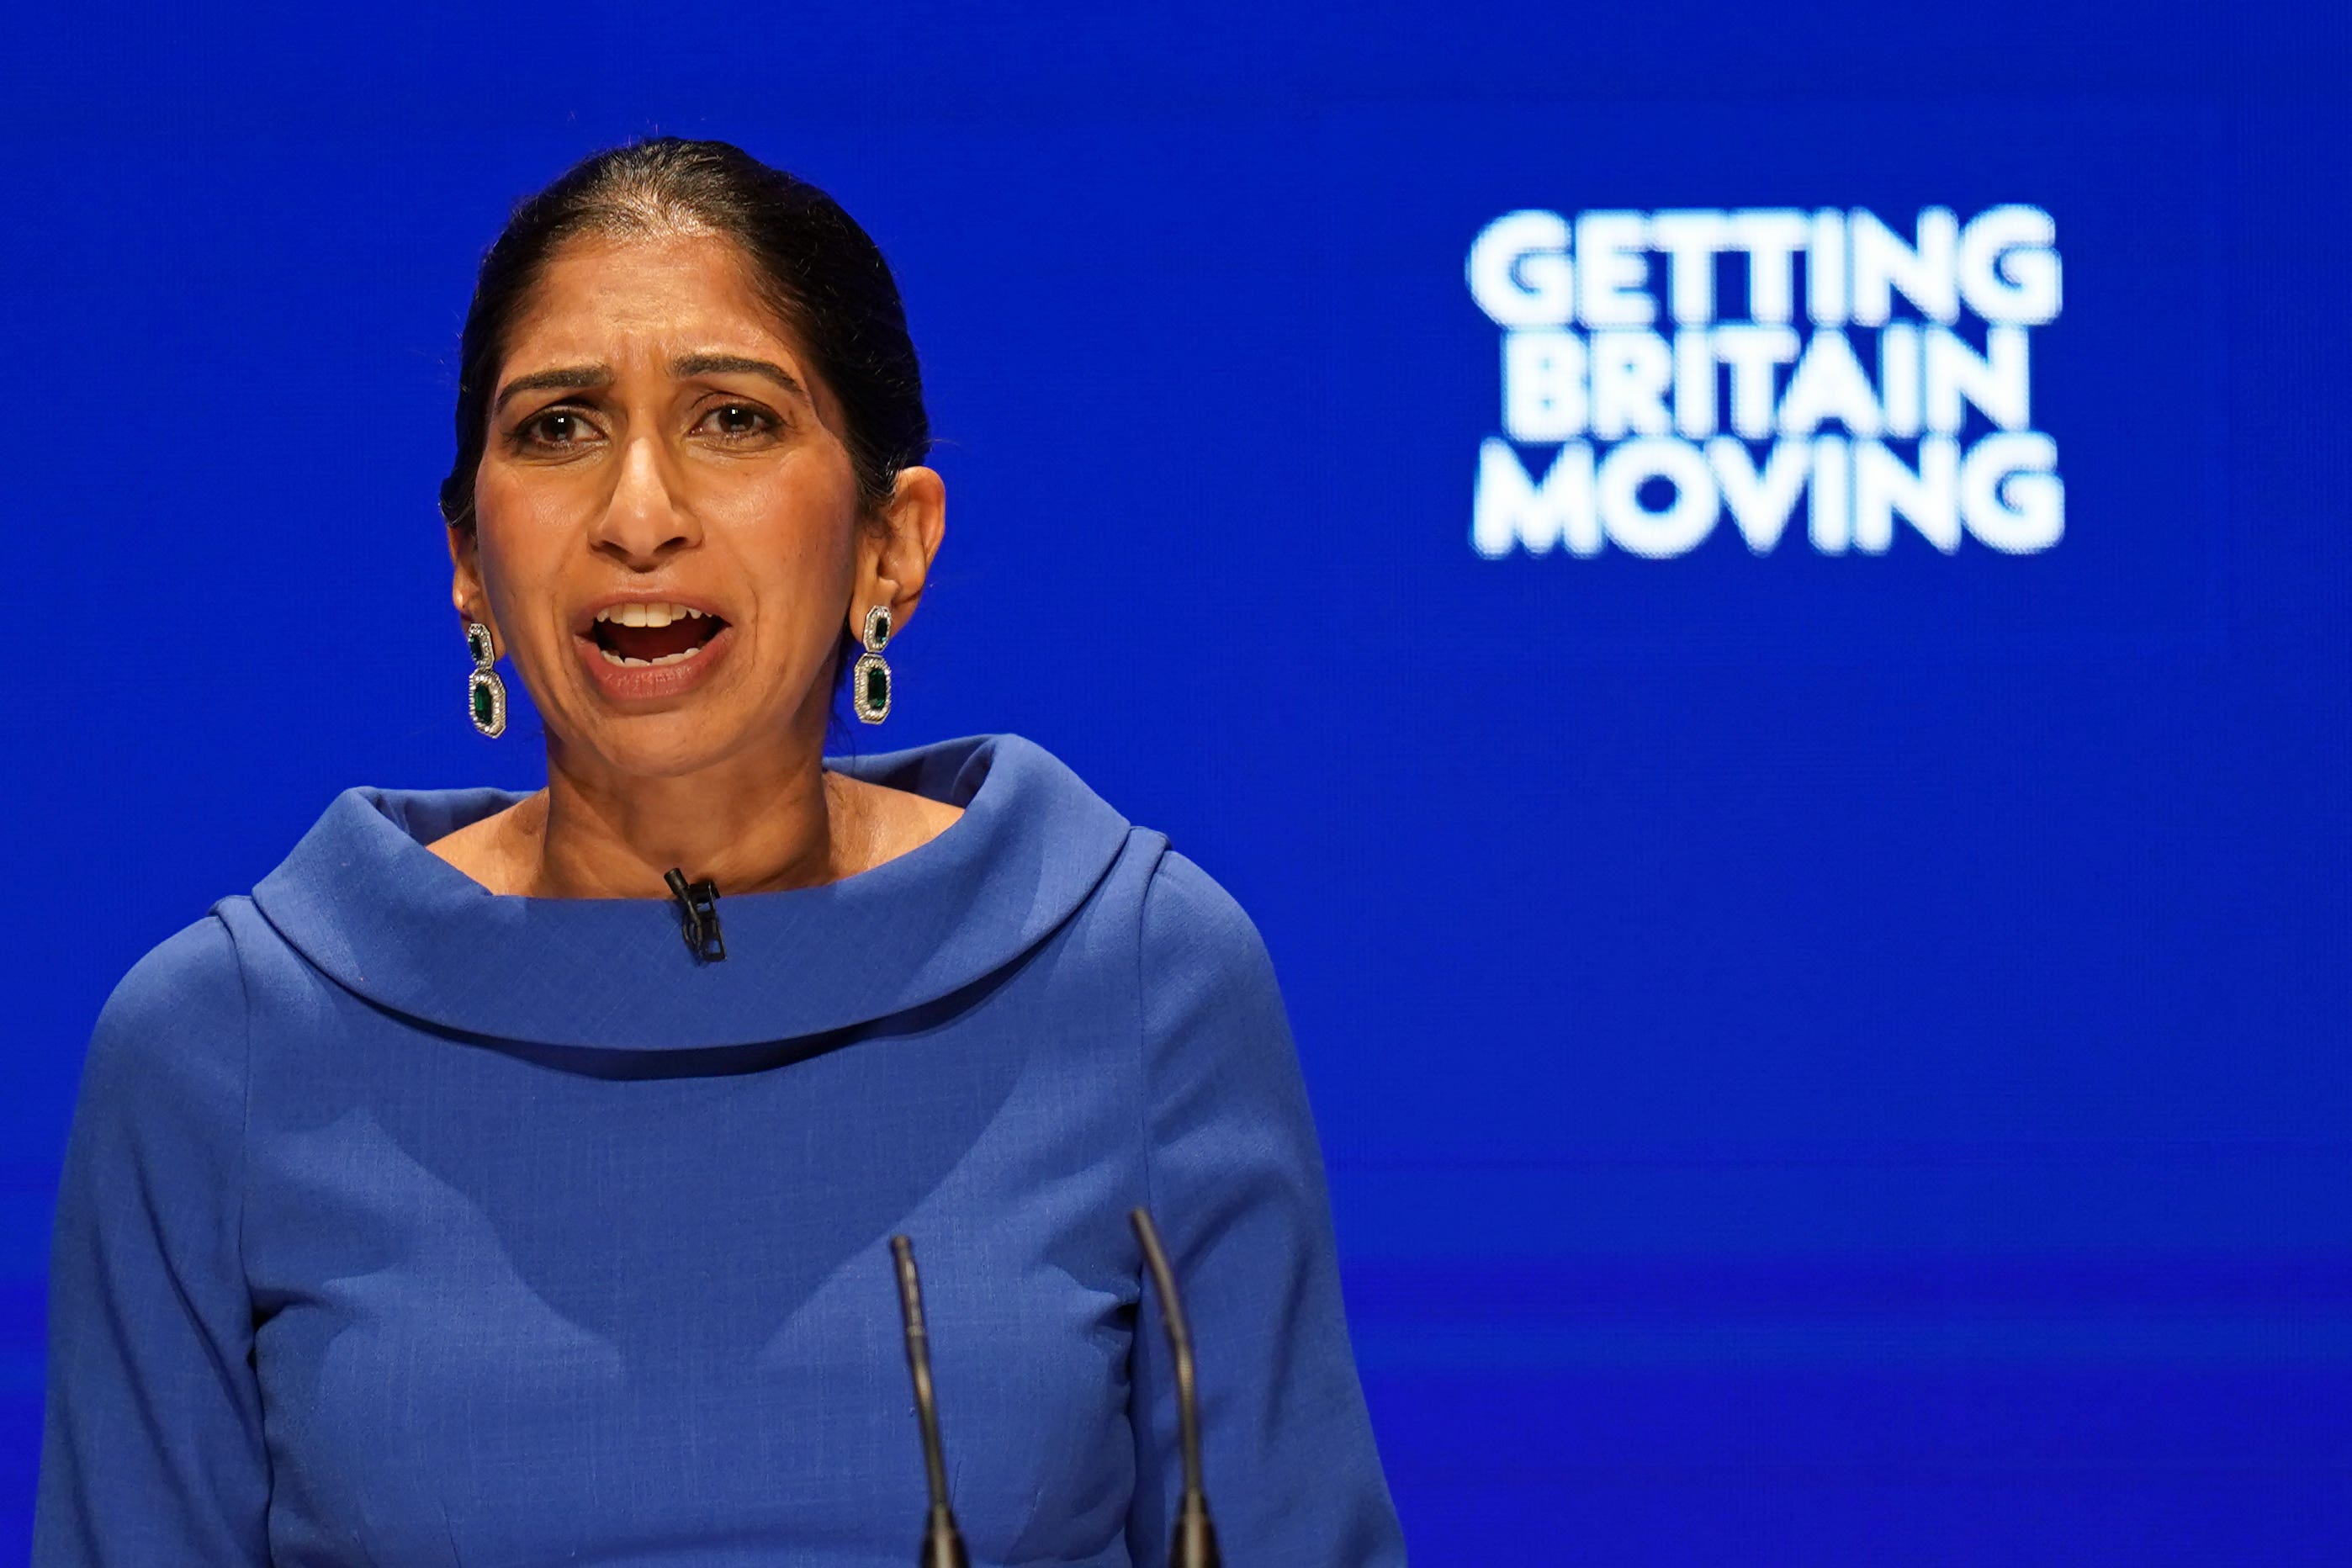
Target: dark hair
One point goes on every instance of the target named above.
(822, 275)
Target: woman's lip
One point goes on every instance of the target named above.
(650, 682)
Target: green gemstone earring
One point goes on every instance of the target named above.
(869, 679)
(486, 694)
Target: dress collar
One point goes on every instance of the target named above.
(364, 900)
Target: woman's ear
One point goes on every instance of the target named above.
(895, 552)
(466, 590)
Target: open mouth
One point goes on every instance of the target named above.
(653, 634)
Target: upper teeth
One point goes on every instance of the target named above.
(646, 614)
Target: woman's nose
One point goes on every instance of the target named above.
(645, 520)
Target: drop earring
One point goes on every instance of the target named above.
(869, 679)
(486, 694)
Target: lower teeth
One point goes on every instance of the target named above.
(612, 657)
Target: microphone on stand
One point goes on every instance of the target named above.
(942, 1545)
(1195, 1541)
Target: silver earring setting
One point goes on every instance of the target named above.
(486, 694)
(869, 679)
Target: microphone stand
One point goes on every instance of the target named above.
(942, 1545)
(1195, 1544)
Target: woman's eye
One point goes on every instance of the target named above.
(555, 427)
(737, 420)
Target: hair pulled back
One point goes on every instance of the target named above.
(822, 275)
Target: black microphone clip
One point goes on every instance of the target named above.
(698, 918)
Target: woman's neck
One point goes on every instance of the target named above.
(751, 824)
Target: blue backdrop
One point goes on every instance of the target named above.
(1827, 1056)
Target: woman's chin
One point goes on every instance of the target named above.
(668, 743)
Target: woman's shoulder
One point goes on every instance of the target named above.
(1219, 1064)
(170, 1043)
(1188, 913)
(1190, 924)
(1201, 954)
(190, 978)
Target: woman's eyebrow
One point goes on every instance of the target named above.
(570, 377)
(723, 364)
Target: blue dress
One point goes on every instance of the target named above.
(406, 1223)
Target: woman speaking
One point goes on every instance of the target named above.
(510, 1179)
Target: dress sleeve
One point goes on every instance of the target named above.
(1236, 1186)
(152, 1445)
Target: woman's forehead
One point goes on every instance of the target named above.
(671, 302)
(669, 292)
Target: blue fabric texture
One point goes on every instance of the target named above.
(407, 1224)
